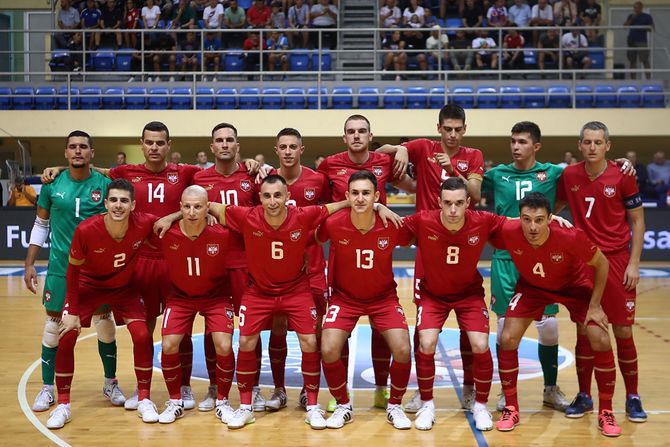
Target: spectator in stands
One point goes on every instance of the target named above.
(396, 58)
(130, 21)
(513, 50)
(641, 175)
(201, 160)
(438, 41)
(415, 42)
(90, 20)
(175, 157)
(459, 56)
(450, 9)
(413, 9)
(497, 15)
(486, 57)
(414, 22)
(574, 58)
(298, 19)
(277, 45)
(260, 158)
(548, 48)
(234, 17)
(567, 159)
(167, 9)
(519, 14)
(541, 14)
(637, 38)
(259, 15)
(278, 17)
(323, 15)
(473, 16)
(211, 45)
(390, 15)
(68, 19)
(120, 159)
(429, 20)
(142, 60)
(565, 13)
(75, 58)
(21, 194)
(213, 15)
(199, 6)
(183, 18)
(659, 177)
(252, 56)
(111, 20)
(592, 11)
(151, 15)
(161, 47)
(190, 49)
(593, 36)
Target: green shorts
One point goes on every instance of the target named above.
(53, 296)
(503, 283)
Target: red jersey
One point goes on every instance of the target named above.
(360, 266)
(559, 263)
(238, 188)
(469, 162)
(195, 265)
(339, 167)
(514, 41)
(276, 258)
(599, 207)
(450, 259)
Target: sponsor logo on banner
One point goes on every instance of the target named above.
(609, 190)
(383, 243)
(173, 177)
(212, 249)
(245, 185)
(295, 235)
(96, 195)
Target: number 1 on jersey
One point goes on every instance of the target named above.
(193, 266)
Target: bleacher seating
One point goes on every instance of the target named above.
(45, 98)
(181, 98)
(294, 98)
(204, 98)
(113, 98)
(23, 98)
(394, 98)
(368, 98)
(136, 98)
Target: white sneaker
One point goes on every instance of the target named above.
(241, 417)
(554, 398)
(147, 411)
(277, 401)
(112, 392)
(425, 417)
(131, 79)
(132, 402)
(414, 403)
(397, 417)
(59, 417)
(174, 409)
(343, 414)
(223, 410)
(187, 397)
(500, 406)
(171, 78)
(315, 417)
(209, 402)
(149, 79)
(45, 398)
(214, 79)
(468, 397)
(302, 399)
(482, 417)
(257, 399)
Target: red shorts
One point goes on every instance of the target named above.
(180, 313)
(418, 276)
(384, 313)
(529, 301)
(471, 313)
(124, 302)
(238, 280)
(618, 303)
(320, 298)
(151, 281)
(257, 309)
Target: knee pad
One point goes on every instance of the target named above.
(547, 330)
(50, 334)
(105, 327)
(499, 330)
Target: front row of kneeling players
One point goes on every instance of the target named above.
(450, 240)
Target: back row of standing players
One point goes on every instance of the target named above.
(159, 185)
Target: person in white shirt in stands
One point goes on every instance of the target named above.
(213, 15)
(574, 58)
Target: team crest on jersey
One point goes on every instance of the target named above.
(245, 185)
(96, 195)
(462, 165)
(630, 305)
(173, 177)
(609, 190)
(485, 312)
(313, 313)
(342, 171)
(383, 243)
(310, 193)
(295, 235)
(377, 171)
(136, 245)
(473, 240)
(557, 258)
(136, 179)
(541, 176)
(212, 249)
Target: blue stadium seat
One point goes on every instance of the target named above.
(437, 97)
(45, 98)
(23, 98)
(136, 98)
(57, 62)
(394, 98)
(272, 98)
(90, 98)
(453, 23)
(182, 98)
(294, 98)
(62, 101)
(510, 97)
(464, 97)
(342, 98)
(326, 61)
(604, 96)
(298, 61)
(530, 58)
(249, 98)
(558, 97)
(597, 56)
(103, 60)
(204, 98)
(313, 96)
(113, 98)
(226, 98)
(584, 96)
(159, 98)
(417, 97)
(233, 62)
(653, 96)
(629, 97)
(534, 97)
(487, 97)
(5, 98)
(124, 58)
(368, 98)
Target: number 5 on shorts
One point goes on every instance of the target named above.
(331, 315)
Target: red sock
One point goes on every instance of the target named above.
(142, 357)
(627, 356)
(277, 351)
(508, 369)
(186, 357)
(210, 359)
(381, 358)
(225, 368)
(399, 380)
(246, 371)
(605, 372)
(172, 370)
(65, 366)
(344, 358)
(311, 375)
(336, 377)
(259, 361)
(483, 374)
(425, 374)
(584, 363)
(466, 359)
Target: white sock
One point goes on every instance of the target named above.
(479, 406)
(428, 403)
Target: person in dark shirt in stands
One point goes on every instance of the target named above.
(641, 175)
(111, 20)
(637, 38)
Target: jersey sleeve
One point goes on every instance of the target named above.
(117, 172)
(235, 217)
(497, 238)
(415, 149)
(560, 189)
(189, 172)
(496, 223)
(44, 199)
(582, 247)
(410, 223)
(487, 182)
(322, 233)
(323, 167)
(77, 248)
(477, 166)
(313, 216)
(630, 192)
(326, 192)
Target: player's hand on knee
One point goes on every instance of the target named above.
(69, 323)
(597, 315)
